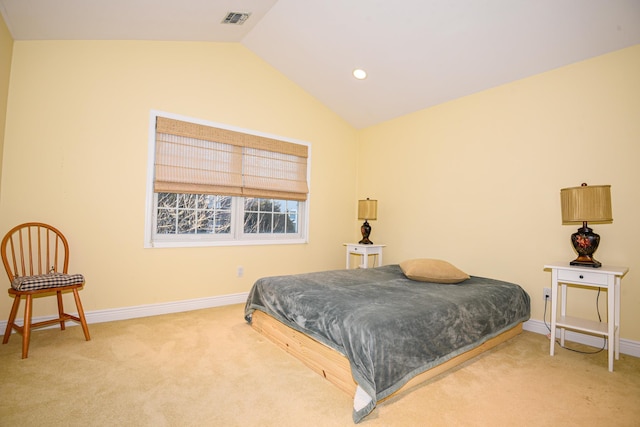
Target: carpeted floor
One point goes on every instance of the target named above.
(209, 368)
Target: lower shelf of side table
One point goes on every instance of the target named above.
(578, 324)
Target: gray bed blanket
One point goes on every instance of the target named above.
(389, 327)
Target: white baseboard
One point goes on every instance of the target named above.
(165, 308)
(125, 313)
(632, 348)
(629, 347)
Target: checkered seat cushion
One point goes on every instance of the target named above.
(46, 281)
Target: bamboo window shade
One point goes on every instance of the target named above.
(199, 159)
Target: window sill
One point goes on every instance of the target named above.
(212, 243)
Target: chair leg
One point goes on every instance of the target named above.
(12, 319)
(26, 332)
(83, 321)
(60, 310)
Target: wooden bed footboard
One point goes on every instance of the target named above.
(335, 367)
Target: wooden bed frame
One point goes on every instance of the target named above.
(335, 367)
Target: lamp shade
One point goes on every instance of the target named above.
(588, 203)
(367, 209)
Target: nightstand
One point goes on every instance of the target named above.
(364, 251)
(605, 277)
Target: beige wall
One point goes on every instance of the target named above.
(6, 50)
(477, 181)
(76, 156)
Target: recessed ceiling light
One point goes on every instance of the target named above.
(359, 74)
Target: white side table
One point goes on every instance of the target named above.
(605, 277)
(365, 251)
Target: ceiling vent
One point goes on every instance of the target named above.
(235, 18)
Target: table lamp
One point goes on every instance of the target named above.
(367, 210)
(587, 203)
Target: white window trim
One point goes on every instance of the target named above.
(202, 241)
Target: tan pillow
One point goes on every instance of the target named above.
(432, 270)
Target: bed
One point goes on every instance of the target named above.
(376, 332)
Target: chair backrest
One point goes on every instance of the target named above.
(34, 248)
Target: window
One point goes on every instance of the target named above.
(209, 184)
(181, 213)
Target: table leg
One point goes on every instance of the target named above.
(554, 311)
(617, 318)
(611, 315)
(563, 312)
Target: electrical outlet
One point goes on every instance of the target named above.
(546, 294)
(240, 271)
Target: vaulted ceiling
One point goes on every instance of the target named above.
(417, 53)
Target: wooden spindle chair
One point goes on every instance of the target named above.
(36, 258)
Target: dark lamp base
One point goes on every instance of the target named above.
(586, 262)
(365, 229)
(585, 242)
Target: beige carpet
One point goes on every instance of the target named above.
(209, 368)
